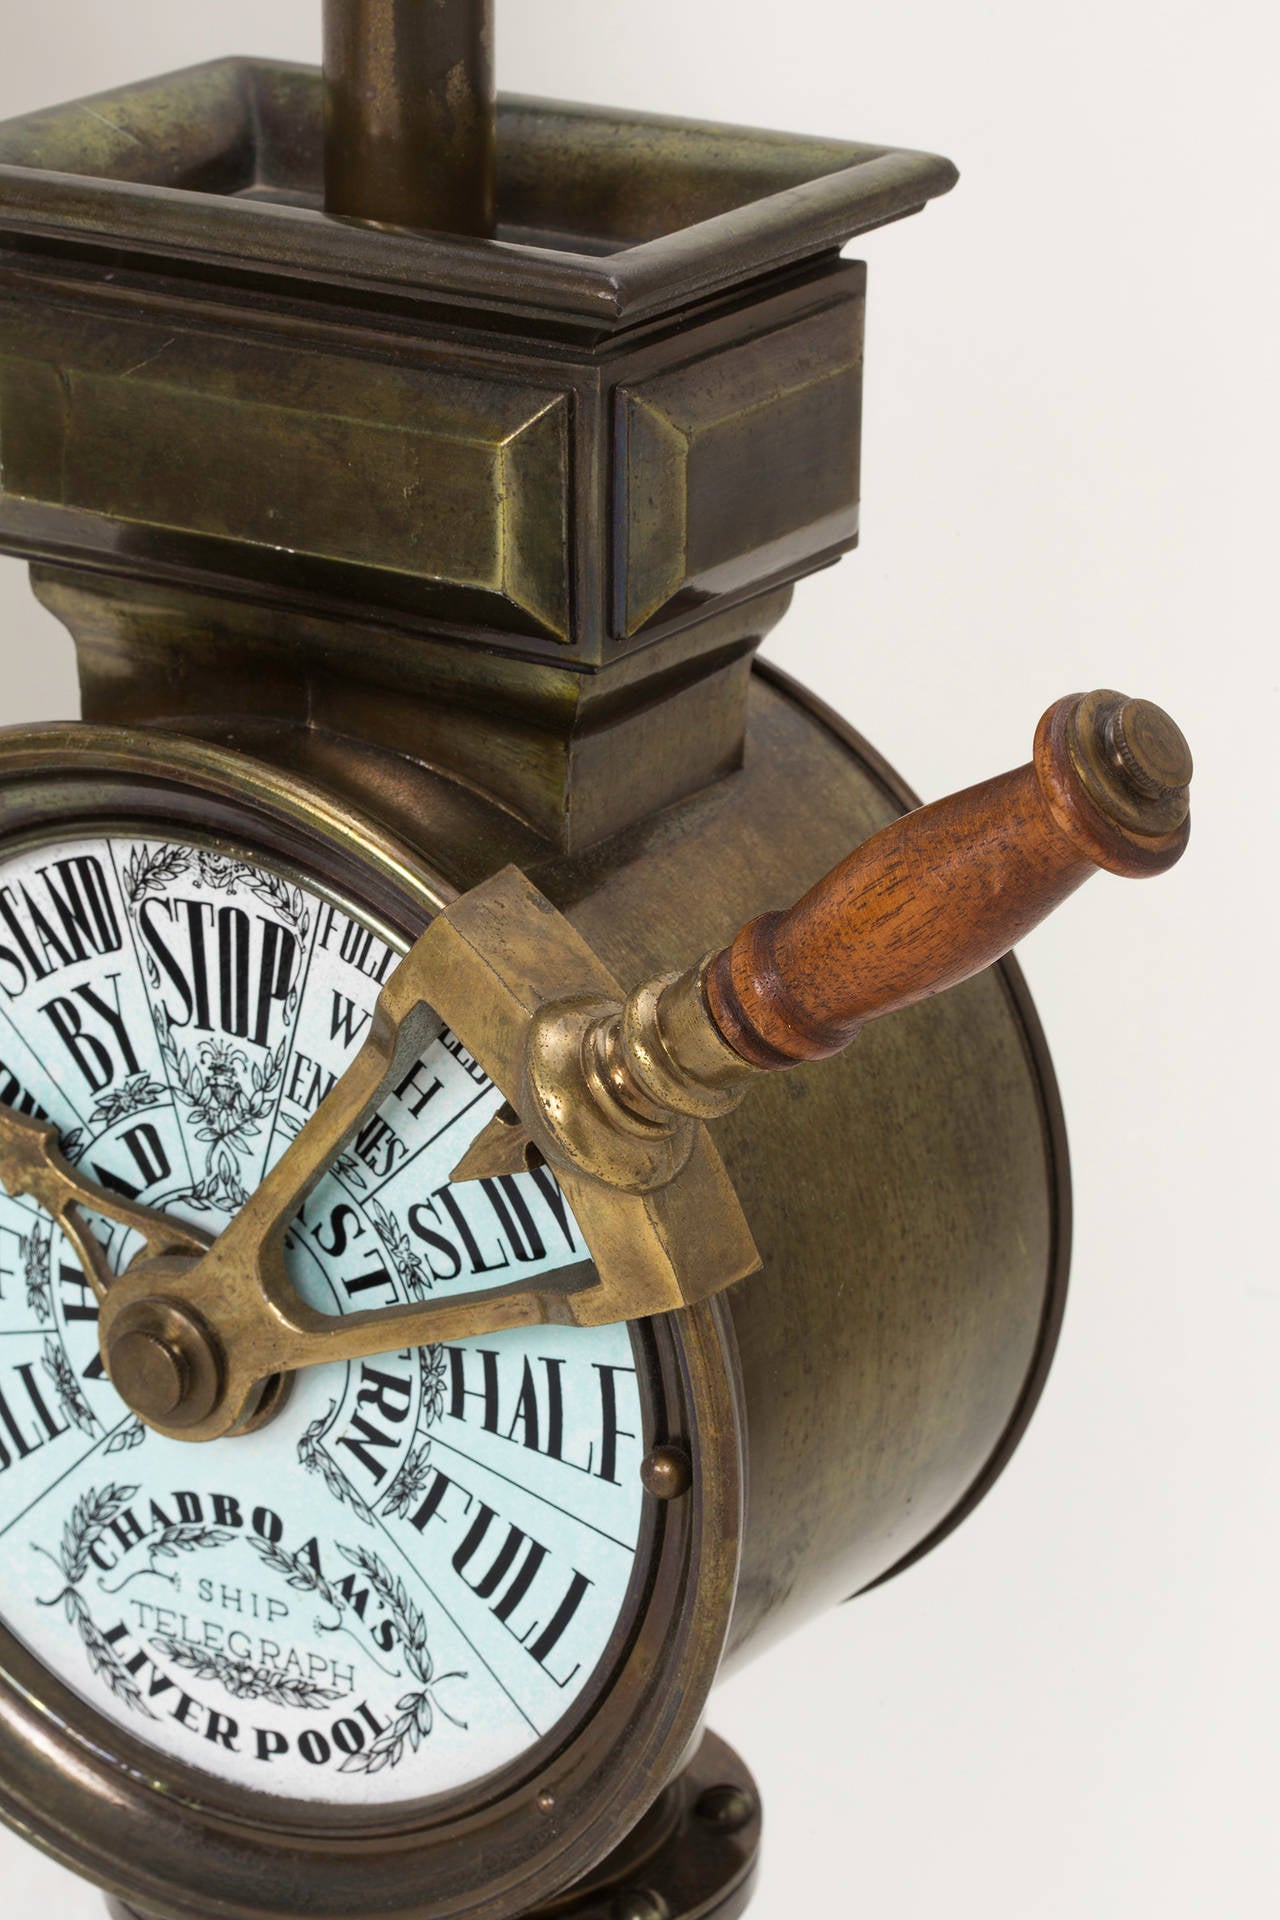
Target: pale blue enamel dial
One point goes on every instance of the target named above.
(408, 1579)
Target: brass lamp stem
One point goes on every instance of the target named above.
(410, 113)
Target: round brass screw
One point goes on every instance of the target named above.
(1149, 749)
(150, 1373)
(1133, 761)
(666, 1473)
(546, 1802)
(727, 1808)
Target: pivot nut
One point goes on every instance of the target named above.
(164, 1363)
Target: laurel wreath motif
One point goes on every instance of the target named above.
(35, 1251)
(177, 1538)
(313, 1458)
(152, 870)
(244, 1681)
(89, 1519)
(297, 1572)
(67, 1387)
(416, 1711)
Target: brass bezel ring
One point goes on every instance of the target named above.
(162, 1836)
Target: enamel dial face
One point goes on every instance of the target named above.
(425, 1565)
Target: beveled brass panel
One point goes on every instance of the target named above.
(737, 467)
(433, 476)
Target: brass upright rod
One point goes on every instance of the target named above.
(410, 113)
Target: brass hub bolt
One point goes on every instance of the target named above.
(164, 1363)
(152, 1374)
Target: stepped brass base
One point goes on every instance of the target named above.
(693, 1857)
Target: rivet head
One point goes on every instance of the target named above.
(546, 1802)
(666, 1473)
(727, 1808)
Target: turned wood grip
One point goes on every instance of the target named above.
(948, 889)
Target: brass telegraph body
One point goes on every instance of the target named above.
(424, 1221)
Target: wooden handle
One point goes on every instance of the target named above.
(948, 889)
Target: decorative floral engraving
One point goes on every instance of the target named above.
(410, 1483)
(411, 1269)
(90, 1517)
(230, 1096)
(131, 1435)
(313, 1457)
(416, 1711)
(67, 1387)
(433, 1367)
(73, 1143)
(242, 1680)
(134, 1095)
(36, 1251)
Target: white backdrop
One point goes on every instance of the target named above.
(1069, 1710)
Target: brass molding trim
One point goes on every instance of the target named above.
(605, 218)
(74, 767)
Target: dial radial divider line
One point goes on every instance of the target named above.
(458, 1628)
(568, 1513)
(31, 1206)
(53, 1485)
(304, 980)
(81, 1119)
(426, 1145)
(179, 1129)
(254, 865)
